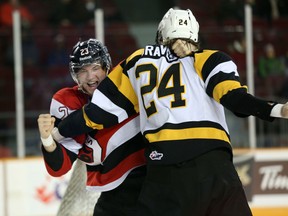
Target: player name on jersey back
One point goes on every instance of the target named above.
(156, 51)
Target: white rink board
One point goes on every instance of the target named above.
(26, 189)
(30, 189)
(267, 170)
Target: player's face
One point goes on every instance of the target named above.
(90, 76)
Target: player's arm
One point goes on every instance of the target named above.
(104, 110)
(45, 126)
(224, 86)
(59, 156)
(240, 102)
(113, 101)
(244, 104)
(58, 159)
(73, 125)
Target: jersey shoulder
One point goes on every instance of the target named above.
(206, 60)
(137, 54)
(215, 56)
(71, 97)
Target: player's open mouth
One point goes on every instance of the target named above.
(93, 84)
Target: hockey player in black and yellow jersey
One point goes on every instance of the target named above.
(181, 104)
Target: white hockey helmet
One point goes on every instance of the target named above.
(177, 23)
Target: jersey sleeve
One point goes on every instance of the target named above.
(218, 72)
(58, 162)
(221, 79)
(243, 104)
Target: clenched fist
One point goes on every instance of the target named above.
(183, 48)
(284, 111)
(45, 125)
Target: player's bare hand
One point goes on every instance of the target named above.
(284, 111)
(183, 48)
(45, 124)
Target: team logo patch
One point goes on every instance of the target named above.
(154, 155)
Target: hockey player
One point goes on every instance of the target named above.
(181, 104)
(114, 157)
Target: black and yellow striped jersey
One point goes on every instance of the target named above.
(180, 101)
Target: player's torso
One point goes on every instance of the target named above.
(170, 91)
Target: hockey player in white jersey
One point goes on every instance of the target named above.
(181, 104)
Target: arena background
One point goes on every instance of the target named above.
(50, 28)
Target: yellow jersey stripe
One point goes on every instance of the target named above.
(200, 60)
(136, 53)
(90, 123)
(222, 88)
(189, 133)
(124, 86)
